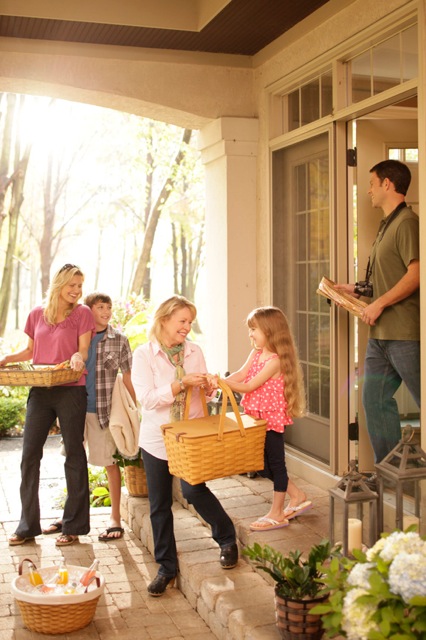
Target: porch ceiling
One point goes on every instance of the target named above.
(241, 27)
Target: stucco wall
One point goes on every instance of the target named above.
(188, 90)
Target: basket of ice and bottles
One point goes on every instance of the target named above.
(57, 599)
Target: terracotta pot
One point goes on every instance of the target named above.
(294, 620)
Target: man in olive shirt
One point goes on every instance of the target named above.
(393, 350)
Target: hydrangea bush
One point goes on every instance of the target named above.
(381, 593)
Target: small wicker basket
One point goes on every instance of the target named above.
(63, 613)
(43, 377)
(135, 481)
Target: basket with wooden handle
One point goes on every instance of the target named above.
(56, 614)
(216, 446)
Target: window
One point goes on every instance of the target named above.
(383, 66)
(309, 102)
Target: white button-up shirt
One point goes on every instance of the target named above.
(152, 377)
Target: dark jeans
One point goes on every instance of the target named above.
(387, 364)
(275, 467)
(45, 404)
(160, 492)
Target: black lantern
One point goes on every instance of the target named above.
(352, 494)
(406, 463)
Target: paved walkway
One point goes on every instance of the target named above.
(209, 602)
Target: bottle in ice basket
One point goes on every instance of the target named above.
(90, 573)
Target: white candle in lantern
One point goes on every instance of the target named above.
(409, 520)
(354, 534)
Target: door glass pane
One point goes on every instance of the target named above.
(301, 256)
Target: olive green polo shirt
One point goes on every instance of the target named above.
(393, 253)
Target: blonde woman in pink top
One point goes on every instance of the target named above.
(163, 369)
(59, 330)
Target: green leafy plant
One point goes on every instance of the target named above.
(130, 315)
(122, 461)
(12, 413)
(296, 578)
(379, 594)
(98, 486)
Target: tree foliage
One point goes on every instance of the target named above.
(120, 195)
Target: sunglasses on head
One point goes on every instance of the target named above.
(68, 266)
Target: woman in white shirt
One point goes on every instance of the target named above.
(163, 369)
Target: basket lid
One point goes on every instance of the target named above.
(209, 426)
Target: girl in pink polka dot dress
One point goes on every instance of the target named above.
(272, 383)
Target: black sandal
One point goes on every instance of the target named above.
(54, 527)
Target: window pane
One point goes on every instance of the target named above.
(310, 102)
(301, 235)
(326, 94)
(411, 155)
(386, 65)
(301, 287)
(361, 77)
(325, 393)
(293, 110)
(313, 389)
(409, 53)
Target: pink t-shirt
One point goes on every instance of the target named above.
(267, 401)
(56, 343)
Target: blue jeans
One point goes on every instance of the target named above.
(45, 404)
(160, 493)
(387, 364)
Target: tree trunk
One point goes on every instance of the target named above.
(154, 216)
(5, 179)
(21, 164)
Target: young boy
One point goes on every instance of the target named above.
(109, 352)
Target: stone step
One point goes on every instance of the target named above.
(225, 598)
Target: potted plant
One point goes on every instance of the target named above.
(381, 593)
(299, 586)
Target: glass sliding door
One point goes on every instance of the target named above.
(301, 256)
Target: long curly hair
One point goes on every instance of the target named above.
(165, 311)
(59, 280)
(279, 339)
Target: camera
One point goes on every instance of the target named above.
(364, 288)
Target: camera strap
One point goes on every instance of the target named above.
(384, 224)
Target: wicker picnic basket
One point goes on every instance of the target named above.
(37, 377)
(135, 480)
(214, 446)
(63, 613)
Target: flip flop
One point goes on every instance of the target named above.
(270, 524)
(14, 540)
(104, 537)
(54, 527)
(293, 512)
(65, 539)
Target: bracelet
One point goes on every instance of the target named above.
(182, 386)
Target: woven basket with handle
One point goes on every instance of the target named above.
(56, 614)
(135, 481)
(215, 446)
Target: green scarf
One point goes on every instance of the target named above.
(178, 406)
